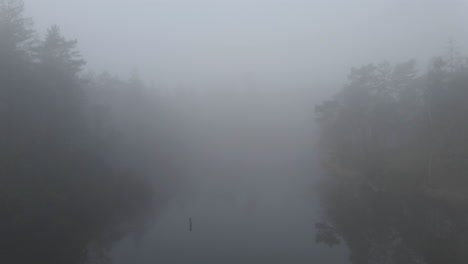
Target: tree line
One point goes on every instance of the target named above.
(394, 148)
(85, 159)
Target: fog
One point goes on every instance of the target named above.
(217, 105)
(249, 164)
(212, 43)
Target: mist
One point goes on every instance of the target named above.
(214, 43)
(203, 131)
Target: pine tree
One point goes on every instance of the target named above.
(16, 33)
(58, 53)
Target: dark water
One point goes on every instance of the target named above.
(252, 197)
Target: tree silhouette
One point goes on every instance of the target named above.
(66, 196)
(394, 146)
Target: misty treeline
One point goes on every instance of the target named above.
(85, 159)
(394, 145)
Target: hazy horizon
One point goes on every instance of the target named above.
(285, 43)
(294, 154)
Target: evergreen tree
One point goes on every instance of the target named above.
(64, 199)
(17, 35)
(394, 147)
(59, 54)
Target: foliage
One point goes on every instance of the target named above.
(66, 195)
(394, 145)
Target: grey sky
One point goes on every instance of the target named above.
(285, 42)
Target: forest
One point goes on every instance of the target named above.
(88, 160)
(393, 143)
(78, 173)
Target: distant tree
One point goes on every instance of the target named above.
(17, 35)
(58, 53)
(394, 146)
(64, 197)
